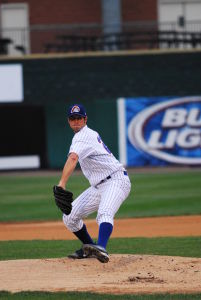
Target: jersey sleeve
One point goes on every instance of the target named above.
(82, 149)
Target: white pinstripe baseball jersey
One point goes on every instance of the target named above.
(95, 159)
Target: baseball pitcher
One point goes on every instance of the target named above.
(109, 187)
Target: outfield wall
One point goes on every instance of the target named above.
(52, 83)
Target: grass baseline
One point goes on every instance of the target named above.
(92, 296)
(36, 249)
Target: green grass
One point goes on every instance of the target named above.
(30, 197)
(172, 246)
(164, 194)
(91, 296)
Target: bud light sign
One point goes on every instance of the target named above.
(160, 131)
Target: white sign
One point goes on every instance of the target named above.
(11, 83)
(20, 162)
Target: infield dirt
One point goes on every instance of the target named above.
(138, 227)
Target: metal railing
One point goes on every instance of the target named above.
(90, 37)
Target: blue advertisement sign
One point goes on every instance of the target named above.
(159, 131)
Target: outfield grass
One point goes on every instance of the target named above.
(30, 198)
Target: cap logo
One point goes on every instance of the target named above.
(75, 109)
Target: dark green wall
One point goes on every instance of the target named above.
(101, 117)
(110, 77)
(97, 81)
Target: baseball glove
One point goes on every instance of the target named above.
(63, 199)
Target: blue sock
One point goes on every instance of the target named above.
(105, 231)
(83, 235)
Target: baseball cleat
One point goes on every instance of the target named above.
(96, 251)
(78, 254)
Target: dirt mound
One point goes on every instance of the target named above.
(124, 274)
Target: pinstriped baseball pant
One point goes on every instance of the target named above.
(105, 198)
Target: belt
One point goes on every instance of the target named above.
(109, 177)
(103, 180)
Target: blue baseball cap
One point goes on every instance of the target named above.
(77, 109)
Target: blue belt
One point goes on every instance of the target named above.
(109, 177)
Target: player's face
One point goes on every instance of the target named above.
(77, 123)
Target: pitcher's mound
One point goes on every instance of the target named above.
(124, 274)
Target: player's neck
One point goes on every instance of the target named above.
(76, 131)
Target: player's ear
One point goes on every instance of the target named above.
(85, 119)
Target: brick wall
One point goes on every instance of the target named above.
(136, 10)
(70, 12)
(65, 11)
(87, 11)
(62, 11)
